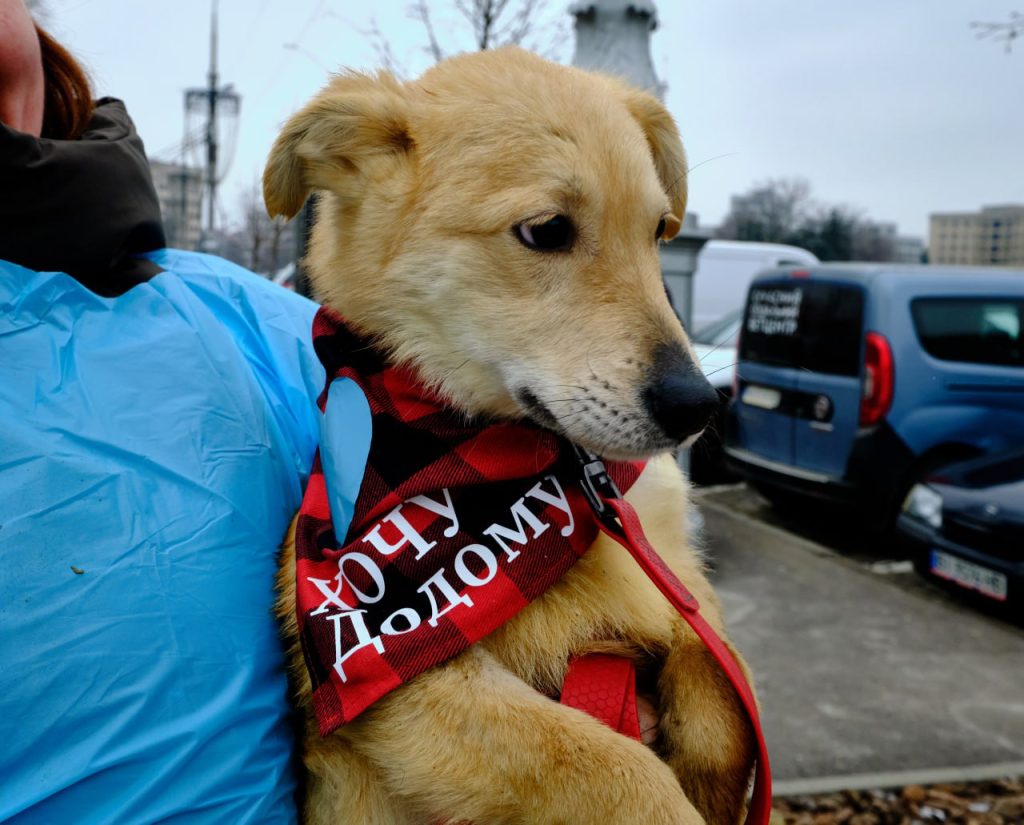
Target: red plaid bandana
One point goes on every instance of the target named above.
(457, 526)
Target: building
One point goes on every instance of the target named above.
(180, 192)
(889, 245)
(908, 250)
(992, 237)
(881, 241)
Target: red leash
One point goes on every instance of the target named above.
(619, 520)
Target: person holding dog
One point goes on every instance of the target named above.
(157, 423)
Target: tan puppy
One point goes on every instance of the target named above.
(495, 224)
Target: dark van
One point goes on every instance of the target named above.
(856, 380)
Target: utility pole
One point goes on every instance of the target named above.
(211, 121)
(216, 102)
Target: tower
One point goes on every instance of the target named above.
(614, 37)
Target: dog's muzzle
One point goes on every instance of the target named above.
(678, 397)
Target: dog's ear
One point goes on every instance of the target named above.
(354, 123)
(667, 150)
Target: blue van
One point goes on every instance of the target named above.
(856, 380)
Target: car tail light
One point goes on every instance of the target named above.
(876, 397)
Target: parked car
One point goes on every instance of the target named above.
(966, 525)
(715, 348)
(723, 274)
(855, 381)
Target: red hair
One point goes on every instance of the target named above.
(68, 102)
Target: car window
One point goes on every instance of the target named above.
(809, 325)
(974, 330)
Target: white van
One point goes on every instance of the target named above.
(725, 270)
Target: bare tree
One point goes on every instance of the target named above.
(382, 46)
(490, 24)
(420, 11)
(1006, 31)
(254, 227)
(828, 232)
(258, 243)
(782, 211)
(494, 22)
(772, 211)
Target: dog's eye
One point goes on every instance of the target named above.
(659, 233)
(554, 235)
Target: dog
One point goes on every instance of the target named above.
(494, 226)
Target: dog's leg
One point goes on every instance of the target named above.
(705, 731)
(469, 742)
(343, 788)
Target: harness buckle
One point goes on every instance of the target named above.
(596, 483)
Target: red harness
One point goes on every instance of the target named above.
(457, 526)
(605, 687)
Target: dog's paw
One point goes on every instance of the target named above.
(609, 779)
(706, 735)
(654, 797)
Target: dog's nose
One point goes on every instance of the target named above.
(678, 396)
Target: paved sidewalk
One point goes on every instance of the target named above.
(857, 676)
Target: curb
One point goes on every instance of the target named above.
(895, 779)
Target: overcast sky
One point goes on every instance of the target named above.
(893, 107)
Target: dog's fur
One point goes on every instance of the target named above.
(422, 185)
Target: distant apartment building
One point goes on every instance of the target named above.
(180, 191)
(907, 250)
(881, 241)
(992, 237)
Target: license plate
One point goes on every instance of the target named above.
(972, 576)
(763, 397)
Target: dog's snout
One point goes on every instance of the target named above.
(678, 396)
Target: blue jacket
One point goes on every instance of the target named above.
(153, 448)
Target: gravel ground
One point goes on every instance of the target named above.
(996, 802)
